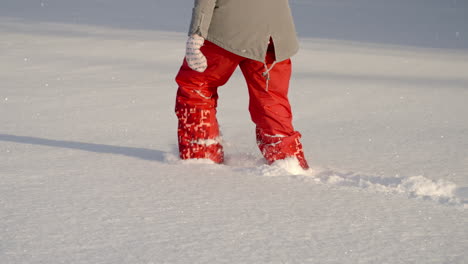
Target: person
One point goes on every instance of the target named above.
(258, 36)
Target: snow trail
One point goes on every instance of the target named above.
(417, 187)
(420, 187)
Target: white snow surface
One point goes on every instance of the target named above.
(89, 171)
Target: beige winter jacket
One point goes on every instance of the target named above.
(244, 27)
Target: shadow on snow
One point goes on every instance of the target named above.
(141, 153)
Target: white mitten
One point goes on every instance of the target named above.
(195, 58)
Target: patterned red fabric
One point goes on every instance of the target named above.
(268, 83)
(277, 147)
(198, 134)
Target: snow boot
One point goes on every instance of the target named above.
(198, 134)
(278, 147)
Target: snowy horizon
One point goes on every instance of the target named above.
(421, 23)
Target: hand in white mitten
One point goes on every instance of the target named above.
(195, 58)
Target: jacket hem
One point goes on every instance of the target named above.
(247, 55)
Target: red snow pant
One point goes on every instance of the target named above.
(268, 84)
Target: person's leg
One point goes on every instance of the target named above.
(270, 110)
(196, 101)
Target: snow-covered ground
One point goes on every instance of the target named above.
(88, 163)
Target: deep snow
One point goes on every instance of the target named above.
(88, 164)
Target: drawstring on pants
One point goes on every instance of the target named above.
(266, 73)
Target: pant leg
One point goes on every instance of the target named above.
(196, 101)
(269, 107)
